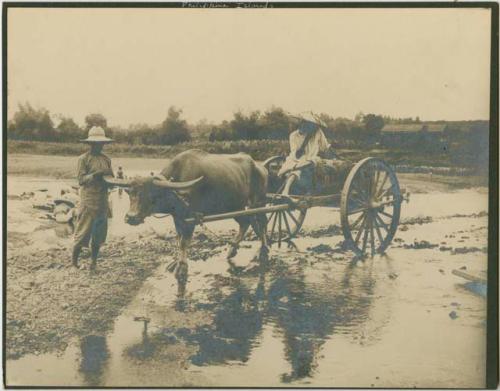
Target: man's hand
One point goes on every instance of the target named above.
(98, 174)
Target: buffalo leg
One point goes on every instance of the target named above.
(181, 269)
(244, 223)
(180, 266)
(259, 224)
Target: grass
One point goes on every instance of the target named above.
(404, 160)
(258, 149)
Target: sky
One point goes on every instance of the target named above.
(132, 64)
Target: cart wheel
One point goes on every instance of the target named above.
(283, 226)
(370, 206)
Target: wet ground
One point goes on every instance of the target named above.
(315, 316)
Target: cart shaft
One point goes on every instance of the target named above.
(241, 213)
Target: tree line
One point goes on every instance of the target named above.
(37, 124)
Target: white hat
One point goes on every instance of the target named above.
(310, 117)
(96, 135)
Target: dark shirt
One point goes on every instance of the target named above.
(93, 191)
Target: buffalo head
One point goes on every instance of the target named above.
(149, 195)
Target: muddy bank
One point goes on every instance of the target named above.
(49, 301)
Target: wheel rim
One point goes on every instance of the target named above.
(370, 207)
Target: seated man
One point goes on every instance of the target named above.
(308, 145)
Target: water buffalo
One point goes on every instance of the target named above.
(199, 182)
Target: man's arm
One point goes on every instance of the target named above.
(83, 177)
(294, 145)
(325, 150)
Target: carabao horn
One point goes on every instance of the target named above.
(163, 182)
(116, 181)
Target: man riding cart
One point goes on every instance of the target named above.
(310, 166)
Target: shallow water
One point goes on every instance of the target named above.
(310, 319)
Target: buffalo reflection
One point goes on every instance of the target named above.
(305, 314)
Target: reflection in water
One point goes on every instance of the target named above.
(236, 323)
(145, 349)
(304, 314)
(307, 314)
(94, 357)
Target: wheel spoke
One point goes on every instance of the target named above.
(361, 192)
(353, 212)
(377, 195)
(293, 218)
(279, 229)
(383, 225)
(385, 214)
(360, 230)
(353, 226)
(375, 183)
(377, 228)
(372, 242)
(355, 198)
(386, 191)
(365, 238)
(287, 225)
(274, 224)
(370, 184)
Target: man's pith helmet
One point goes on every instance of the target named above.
(97, 135)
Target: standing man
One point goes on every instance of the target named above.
(92, 215)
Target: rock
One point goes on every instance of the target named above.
(441, 271)
(465, 250)
(453, 315)
(321, 248)
(404, 228)
(202, 237)
(419, 245)
(417, 220)
(393, 276)
(463, 268)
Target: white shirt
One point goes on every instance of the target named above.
(316, 144)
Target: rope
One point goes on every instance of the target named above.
(212, 233)
(203, 226)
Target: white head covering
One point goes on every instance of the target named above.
(309, 116)
(97, 135)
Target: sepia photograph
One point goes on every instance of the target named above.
(250, 195)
